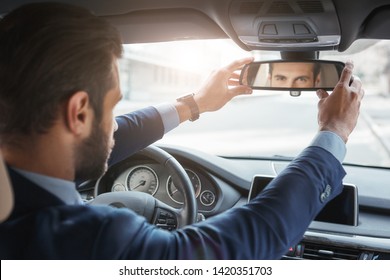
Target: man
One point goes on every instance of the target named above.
(58, 87)
(294, 75)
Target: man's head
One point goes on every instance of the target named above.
(52, 57)
(294, 74)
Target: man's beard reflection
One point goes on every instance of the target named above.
(93, 154)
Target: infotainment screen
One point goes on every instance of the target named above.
(343, 209)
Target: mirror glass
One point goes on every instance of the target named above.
(292, 75)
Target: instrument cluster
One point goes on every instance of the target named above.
(152, 179)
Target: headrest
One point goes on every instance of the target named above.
(6, 194)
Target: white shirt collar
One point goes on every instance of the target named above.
(62, 189)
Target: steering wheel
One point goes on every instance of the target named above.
(154, 210)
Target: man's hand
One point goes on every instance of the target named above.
(221, 87)
(338, 112)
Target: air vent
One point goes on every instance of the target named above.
(250, 8)
(321, 252)
(311, 6)
(280, 7)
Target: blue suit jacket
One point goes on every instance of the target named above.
(43, 227)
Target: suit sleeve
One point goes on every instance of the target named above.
(265, 228)
(136, 131)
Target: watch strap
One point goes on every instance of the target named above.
(190, 102)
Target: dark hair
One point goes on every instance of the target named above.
(48, 52)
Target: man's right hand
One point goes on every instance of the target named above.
(338, 112)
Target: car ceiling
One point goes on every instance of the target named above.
(275, 23)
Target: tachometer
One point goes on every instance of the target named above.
(177, 196)
(142, 179)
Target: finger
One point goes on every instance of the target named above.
(235, 75)
(347, 73)
(233, 83)
(239, 63)
(322, 94)
(356, 83)
(239, 90)
(356, 86)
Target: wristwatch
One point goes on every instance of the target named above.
(190, 102)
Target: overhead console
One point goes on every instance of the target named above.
(279, 25)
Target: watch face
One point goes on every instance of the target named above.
(190, 102)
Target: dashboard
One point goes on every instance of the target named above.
(150, 177)
(222, 183)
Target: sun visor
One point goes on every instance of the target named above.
(377, 24)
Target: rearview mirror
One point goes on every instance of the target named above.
(292, 75)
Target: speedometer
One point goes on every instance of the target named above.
(142, 179)
(176, 195)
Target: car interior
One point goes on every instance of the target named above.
(189, 185)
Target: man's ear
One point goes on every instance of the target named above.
(78, 113)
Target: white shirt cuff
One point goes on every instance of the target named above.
(331, 142)
(169, 116)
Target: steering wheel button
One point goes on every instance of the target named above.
(169, 215)
(163, 214)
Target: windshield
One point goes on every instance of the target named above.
(266, 123)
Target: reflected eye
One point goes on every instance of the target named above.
(280, 78)
(302, 79)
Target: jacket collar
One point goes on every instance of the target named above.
(28, 196)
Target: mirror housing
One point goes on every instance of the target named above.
(292, 75)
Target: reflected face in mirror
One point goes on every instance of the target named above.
(287, 75)
(294, 75)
